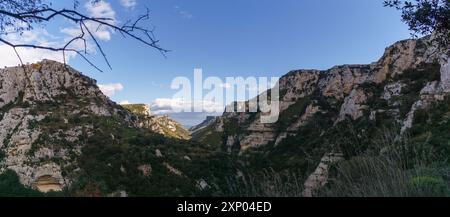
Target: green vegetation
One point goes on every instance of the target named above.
(397, 168)
(209, 136)
(429, 185)
(267, 183)
(179, 132)
(110, 164)
(416, 79)
(378, 160)
(10, 187)
(136, 108)
(2, 155)
(292, 113)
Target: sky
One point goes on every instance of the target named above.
(223, 38)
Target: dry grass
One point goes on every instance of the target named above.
(394, 168)
(267, 183)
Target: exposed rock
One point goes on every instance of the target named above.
(391, 90)
(340, 80)
(304, 83)
(173, 169)
(158, 153)
(231, 141)
(207, 122)
(353, 105)
(319, 177)
(445, 75)
(25, 94)
(47, 183)
(349, 89)
(202, 184)
(163, 125)
(146, 169)
(432, 92)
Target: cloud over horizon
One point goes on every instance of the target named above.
(110, 89)
(171, 105)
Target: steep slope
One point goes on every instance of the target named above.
(208, 121)
(163, 125)
(58, 132)
(340, 112)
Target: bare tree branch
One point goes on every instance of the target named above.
(44, 14)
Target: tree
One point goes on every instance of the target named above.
(18, 16)
(425, 17)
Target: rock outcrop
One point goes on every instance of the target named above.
(163, 125)
(322, 110)
(348, 89)
(319, 177)
(25, 93)
(57, 128)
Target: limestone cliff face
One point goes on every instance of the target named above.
(333, 115)
(57, 127)
(347, 92)
(163, 125)
(25, 94)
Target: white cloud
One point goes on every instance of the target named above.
(129, 4)
(125, 102)
(170, 105)
(101, 9)
(30, 55)
(183, 13)
(110, 89)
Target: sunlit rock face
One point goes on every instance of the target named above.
(49, 112)
(346, 93)
(163, 125)
(328, 116)
(38, 107)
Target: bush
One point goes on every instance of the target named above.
(10, 186)
(396, 168)
(429, 186)
(2, 155)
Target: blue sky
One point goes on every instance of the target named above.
(239, 38)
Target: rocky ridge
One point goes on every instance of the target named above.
(344, 88)
(341, 111)
(163, 125)
(59, 132)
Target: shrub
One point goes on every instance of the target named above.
(267, 183)
(395, 167)
(10, 186)
(2, 155)
(429, 186)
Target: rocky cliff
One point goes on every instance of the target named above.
(346, 91)
(322, 110)
(58, 132)
(163, 125)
